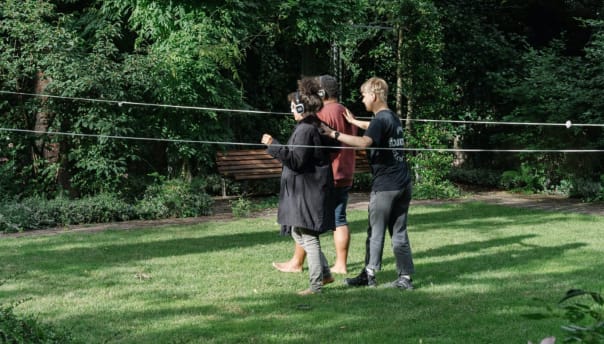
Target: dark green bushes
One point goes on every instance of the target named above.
(173, 198)
(38, 213)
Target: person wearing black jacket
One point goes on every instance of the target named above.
(305, 198)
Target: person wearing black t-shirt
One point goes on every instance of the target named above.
(390, 187)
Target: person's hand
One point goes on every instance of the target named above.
(325, 130)
(266, 139)
(349, 116)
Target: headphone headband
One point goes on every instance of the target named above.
(299, 105)
(321, 91)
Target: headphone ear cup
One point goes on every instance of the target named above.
(299, 105)
(300, 108)
(321, 93)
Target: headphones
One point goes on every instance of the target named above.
(299, 105)
(321, 92)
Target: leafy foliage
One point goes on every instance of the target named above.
(38, 213)
(475, 60)
(585, 321)
(173, 198)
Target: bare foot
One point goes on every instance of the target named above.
(286, 267)
(338, 270)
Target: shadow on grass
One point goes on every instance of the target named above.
(340, 315)
(345, 315)
(475, 217)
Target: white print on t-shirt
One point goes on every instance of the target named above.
(397, 142)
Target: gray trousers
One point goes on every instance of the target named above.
(389, 209)
(318, 267)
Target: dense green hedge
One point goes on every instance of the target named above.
(174, 198)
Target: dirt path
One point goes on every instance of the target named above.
(539, 202)
(357, 201)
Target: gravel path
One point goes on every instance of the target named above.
(539, 202)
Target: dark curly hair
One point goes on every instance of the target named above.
(308, 93)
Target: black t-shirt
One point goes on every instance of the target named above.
(388, 166)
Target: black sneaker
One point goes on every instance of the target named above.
(402, 283)
(362, 280)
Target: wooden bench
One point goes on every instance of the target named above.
(250, 164)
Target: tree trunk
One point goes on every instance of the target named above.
(460, 157)
(51, 152)
(399, 85)
(42, 121)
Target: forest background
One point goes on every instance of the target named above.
(184, 74)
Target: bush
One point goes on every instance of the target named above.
(241, 207)
(526, 179)
(38, 213)
(587, 189)
(585, 322)
(442, 190)
(477, 177)
(174, 198)
(31, 213)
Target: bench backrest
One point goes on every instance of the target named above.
(258, 164)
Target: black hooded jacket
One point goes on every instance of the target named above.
(306, 193)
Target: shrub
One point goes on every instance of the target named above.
(477, 177)
(241, 207)
(528, 179)
(442, 190)
(38, 213)
(213, 184)
(585, 322)
(587, 189)
(101, 208)
(30, 213)
(174, 198)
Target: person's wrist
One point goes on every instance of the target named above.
(336, 134)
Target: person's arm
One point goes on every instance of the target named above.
(353, 141)
(295, 156)
(352, 120)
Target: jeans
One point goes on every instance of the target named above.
(318, 267)
(341, 199)
(389, 209)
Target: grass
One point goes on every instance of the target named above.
(479, 269)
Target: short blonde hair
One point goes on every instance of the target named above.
(377, 86)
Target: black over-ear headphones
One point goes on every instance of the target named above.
(321, 92)
(299, 105)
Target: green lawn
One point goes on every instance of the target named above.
(479, 268)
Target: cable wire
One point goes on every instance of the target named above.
(245, 144)
(567, 124)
